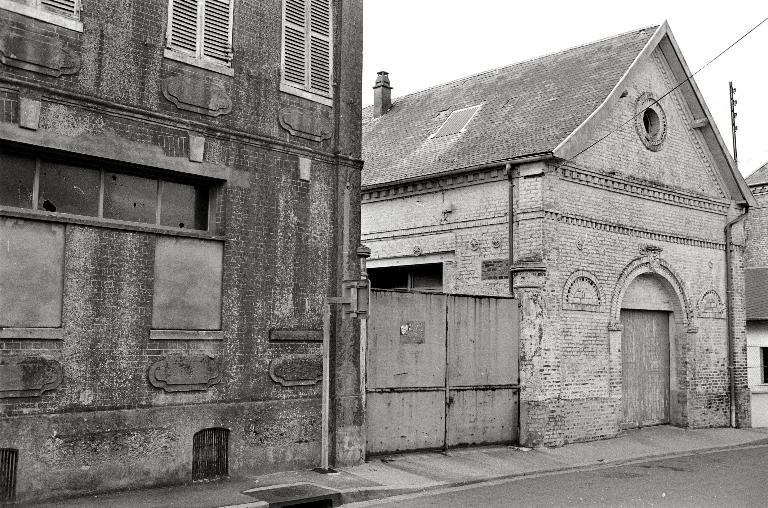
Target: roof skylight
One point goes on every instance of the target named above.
(457, 122)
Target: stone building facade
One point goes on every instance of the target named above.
(584, 187)
(179, 193)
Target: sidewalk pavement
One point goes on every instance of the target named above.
(413, 472)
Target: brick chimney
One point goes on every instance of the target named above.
(382, 94)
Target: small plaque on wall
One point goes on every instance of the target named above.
(494, 269)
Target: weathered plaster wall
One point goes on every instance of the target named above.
(287, 243)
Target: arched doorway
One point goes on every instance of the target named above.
(651, 317)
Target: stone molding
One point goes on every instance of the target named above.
(710, 305)
(632, 231)
(185, 373)
(433, 230)
(29, 376)
(305, 124)
(197, 95)
(297, 370)
(581, 291)
(648, 264)
(30, 54)
(643, 190)
(429, 184)
(761, 188)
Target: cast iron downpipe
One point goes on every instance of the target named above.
(729, 310)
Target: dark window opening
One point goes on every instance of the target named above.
(27, 181)
(9, 458)
(210, 454)
(764, 350)
(426, 277)
(651, 122)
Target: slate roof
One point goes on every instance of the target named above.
(527, 108)
(756, 292)
(758, 177)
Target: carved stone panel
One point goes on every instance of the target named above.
(297, 370)
(28, 376)
(196, 94)
(711, 305)
(185, 373)
(305, 124)
(581, 292)
(32, 54)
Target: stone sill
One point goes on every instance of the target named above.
(32, 333)
(216, 335)
(195, 61)
(43, 15)
(286, 88)
(82, 220)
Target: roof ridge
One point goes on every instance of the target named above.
(496, 69)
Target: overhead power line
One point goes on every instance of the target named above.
(686, 80)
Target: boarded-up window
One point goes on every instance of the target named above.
(202, 29)
(187, 294)
(17, 180)
(69, 189)
(308, 46)
(31, 273)
(130, 198)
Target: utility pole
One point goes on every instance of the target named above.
(733, 123)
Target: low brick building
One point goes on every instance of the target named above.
(594, 186)
(179, 193)
(756, 285)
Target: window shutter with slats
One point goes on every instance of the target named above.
(320, 47)
(307, 46)
(184, 21)
(217, 30)
(68, 7)
(295, 43)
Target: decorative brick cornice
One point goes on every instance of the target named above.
(645, 191)
(759, 189)
(632, 231)
(395, 190)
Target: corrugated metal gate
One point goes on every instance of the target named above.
(442, 370)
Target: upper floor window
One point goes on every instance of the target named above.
(307, 60)
(200, 33)
(65, 13)
(51, 185)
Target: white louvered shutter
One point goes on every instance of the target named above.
(184, 23)
(217, 30)
(295, 43)
(68, 7)
(320, 47)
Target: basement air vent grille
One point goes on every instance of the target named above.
(210, 450)
(457, 122)
(8, 460)
(59, 6)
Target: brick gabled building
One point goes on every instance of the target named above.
(179, 185)
(595, 187)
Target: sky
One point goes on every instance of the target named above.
(422, 43)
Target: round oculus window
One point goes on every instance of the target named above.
(650, 122)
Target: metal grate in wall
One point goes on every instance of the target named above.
(9, 458)
(210, 454)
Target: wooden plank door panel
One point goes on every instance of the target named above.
(645, 367)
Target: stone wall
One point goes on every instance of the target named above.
(288, 236)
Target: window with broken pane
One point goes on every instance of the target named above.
(184, 206)
(68, 189)
(17, 180)
(130, 198)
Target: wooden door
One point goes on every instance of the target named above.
(645, 367)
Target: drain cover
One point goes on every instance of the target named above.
(297, 494)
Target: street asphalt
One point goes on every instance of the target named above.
(731, 478)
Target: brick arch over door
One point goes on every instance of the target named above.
(649, 265)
